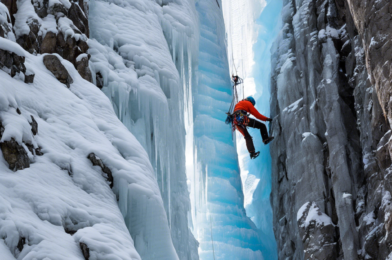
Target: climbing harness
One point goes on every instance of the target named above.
(240, 118)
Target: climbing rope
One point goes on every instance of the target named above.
(212, 239)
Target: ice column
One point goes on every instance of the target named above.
(143, 55)
(251, 28)
(221, 225)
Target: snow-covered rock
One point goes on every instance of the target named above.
(62, 206)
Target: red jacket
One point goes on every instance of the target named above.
(248, 107)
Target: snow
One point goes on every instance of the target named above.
(146, 52)
(294, 106)
(347, 195)
(328, 32)
(369, 218)
(61, 189)
(314, 214)
(81, 56)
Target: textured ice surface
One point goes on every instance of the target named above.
(220, 223)
(62, 192)
(146, 54)
(251, 27)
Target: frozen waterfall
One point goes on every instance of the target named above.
(144, 54)
(220, 222)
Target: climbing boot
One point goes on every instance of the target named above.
(254, 155)
(268, 140)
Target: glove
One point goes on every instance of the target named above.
(269, 119)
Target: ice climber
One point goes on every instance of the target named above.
(241, 121)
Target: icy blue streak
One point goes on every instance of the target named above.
(221, 224)
(260, 209)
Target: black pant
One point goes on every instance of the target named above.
(254, 124)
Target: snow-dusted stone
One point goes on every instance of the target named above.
(34, 126)
(31, 41)
(96, 161)
(15, 155)
(57, 10)
(83, 68)
(53, 64)
(12, 8)
(48, 44)
(85, 250)
(41, 7)
(14, 65)
(317, 233)
(76, 15)
(29, 77)
(5, 23)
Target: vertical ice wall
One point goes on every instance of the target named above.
(251, 27)
(143, 57)
(221, 225)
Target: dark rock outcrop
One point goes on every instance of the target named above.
(31, 42)
(29, 77)
(15, 155)
(85, 250)
(34, 126)
(107, 172)
(48, 44)
(83, 69)
(78, 18)
(317, 233)
(41, 7)
(13, 64)
(99, 80)
(21, 243)
(54, 65)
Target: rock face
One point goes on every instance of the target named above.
(332, 140)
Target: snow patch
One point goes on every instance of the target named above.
(314, 214)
